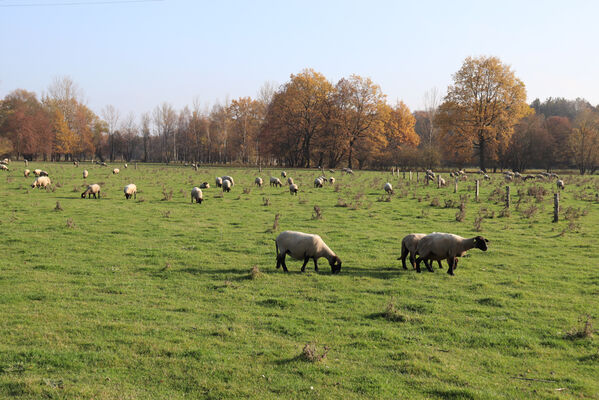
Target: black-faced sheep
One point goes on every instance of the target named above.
(197, 195)
(331, 180)
(4, 168)
(227, 185)
(290, 181)
(258, 181)
(41, 181)
(26, 173)
(92, 190)
(388, 188)
(283, 174)
(204, 185)
(228, 178)
(560, 184)
(304, 246)
(318, 183)
(130, 190)
(275, 181)
(218, 181)
(85, 174)
(446, 246)
(115, 171)
(293, 189)
(409, 245)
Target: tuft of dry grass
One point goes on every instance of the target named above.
(255, 272)
(581, 332)
(392, 313)
(266, 201)
(58, 207)
(70, 223)
(310, 353)
(317, 213)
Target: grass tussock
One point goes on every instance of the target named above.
(392, 312)
(255, 273)
(583, 331)
(311, 353)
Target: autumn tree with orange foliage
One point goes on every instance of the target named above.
(480, 110)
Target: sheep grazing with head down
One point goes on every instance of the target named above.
(44, 173)
(331, 180)
(293, 189)
(290, 181)
(4, 167)
(388, 188)
(41, 181)
(442, 182)
(560, 184)
(283, 174)
(318, 183)
(227, 185)
(219, 181)
(258, 181)
(37, 172)
(446, 246)
(197, 195)
(409, 245)
(92, 190)
(125, 165)
(26, 173)
(304, 246)
(85, 174)
(275, 181)
(115, 171)
(204, 185)
(130, 190)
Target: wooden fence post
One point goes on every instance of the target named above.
(507, 197)
(410, 175)
(417, 177)
(556, 207)
(135, 165)
(455, 188)
(404, 175)
(476, 192)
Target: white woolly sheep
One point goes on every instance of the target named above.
(228, 178)
(37, 172)
(26, 173)
(283, 174)
(125, 165)
(104, 164)
(318, 183)
(275, 181)
(487, 177)
(91, 190)
(197, 195)
(85, 174)
(219, 181)
(258, 181)
(332, 171)
(560, 184)
(304, 246)
(442, 182)
(388, 188)
(4, 167)
(115, 171)
(44, 173)
(41, 181)
(409, 245)
(331, 180)
(204, 185)
(130, 190)
(446, 246)
(75, 163)
(227, 185)
(290, 181)
(293, 189)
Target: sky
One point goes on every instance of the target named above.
(137, 54)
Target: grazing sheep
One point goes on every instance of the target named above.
(304, 246)
(517, 175)
(125, 165)
(275, 181)
(409, 244)
(204, 185)
(442, 182)
(4, 167)
(130, 190)
(104, 164)
(44, 173)
(481, 172)
(37, 172)
(5, 161)
(115, 171)
(332, 171)
(228, 178)
(290, 181)
(331, 180)
(487, 177)
(197, 195)
(293, 189)
(349, 171)
(92, 190)
(318, 183)
(227, 185)
(219, 181)
(527, 177)
(509, 177)
(41, 181)
(439, 246)
(75, 163)
(388, 188)
(258, 181)
(283, 174)
(560, 184)
(85, 174)
(26, 173)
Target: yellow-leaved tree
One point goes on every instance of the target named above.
(66, 140)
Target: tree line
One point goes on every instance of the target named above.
(483, 120)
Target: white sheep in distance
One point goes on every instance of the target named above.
(388, 188)
(41, 181)
(26, 173)
(197, 195)
(228, 178)
(258, 181)
(218, 181)
(204, 185)
(318, 183)
(283, 174)
(37, 172)
(44, 173)
(409, 245)
(442, 182)
(125, 165)
(446, 246)
(85, 174)
(227, 185)
(4, 167)
(331, 180)
(93, 189)
(293, 189)
(130, 190)
(115, 171)
(290, 181)
(304, 246)
(560, 184)
(275, 181)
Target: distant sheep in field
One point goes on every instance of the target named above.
(85, 174)
(219, 181)
(290, 181)
(41, 181)
(318, 183)
(283, 174)
(487, 177)
(388, 188)
(115, 171)
(75, 163)
(227, 185)
(332, 171)
(304, 246)
(446, 246)
(293, 189)
(197, 195)
(204, 185)
(228, 178)
(92, 190)
(37, 172)
(104, 164)
(258, 181)
(44, 173)
(560, 184)
(409, 245)
(125, 165)
(442, 182)
(130, 190)
(26, 173)
(331, 180)
(275, 181)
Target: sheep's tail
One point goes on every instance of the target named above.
(404, 250)
(276, 248)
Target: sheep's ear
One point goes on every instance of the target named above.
(487, 240)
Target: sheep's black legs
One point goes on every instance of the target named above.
(418, 260)
(452, 262)
(440, 266)
(306, 259)
(278, 261)
(315, 265)
(429, 264)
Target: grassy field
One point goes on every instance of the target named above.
(154, 298)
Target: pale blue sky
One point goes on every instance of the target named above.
(138, 55)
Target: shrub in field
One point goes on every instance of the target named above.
(538, 192)
(435, 202)
(255, 271)
(478, 223)
(317, 213)
(461, 214)
(166, 195)
(58, 207)
(310, 353)
(275, 224)
(530, 211)
(246, 190)
(265, 201)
